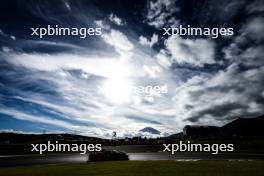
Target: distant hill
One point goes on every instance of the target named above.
(149, 130)
(245, 127)
(240, 127)
(176, 135)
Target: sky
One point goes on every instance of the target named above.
(85, 86)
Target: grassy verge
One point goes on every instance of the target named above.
(143, 168)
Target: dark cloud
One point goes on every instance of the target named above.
(142, 119)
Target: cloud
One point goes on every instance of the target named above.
(80, 129)
(163, 59)
(256, 6)
(240, 52)
(206, 99)
(82, 85)
(102, 24)
(67, 5)
(116, 20)
(6, 49)
(102, 67)
(40, 119)
(225, 95)
(12, 37)
(118, 40)
(152, 71)
(160, 13)
(146, 42)
(77, 79)
(254, 28)
(197, 52)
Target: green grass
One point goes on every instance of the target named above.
(143, 168)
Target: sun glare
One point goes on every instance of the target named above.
(117, 90)
(118, 87)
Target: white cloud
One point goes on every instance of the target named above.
(146, 42)
(196, 52)
(213, 99)
(256, 6)
(2, 33)
(12, 37)
(251, 55)
(67, 5)
(116, 20)
(103, 67)
(152, 71)
(80, 129)
(102, 24)
(254, 28)
(6, 49)
(6, 35)
(40, 119)
(163, 59)
(159, 13)
(118, 40)
(81, 99)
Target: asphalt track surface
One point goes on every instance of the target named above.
(22, 160)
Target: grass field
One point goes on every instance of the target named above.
(143, 168)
